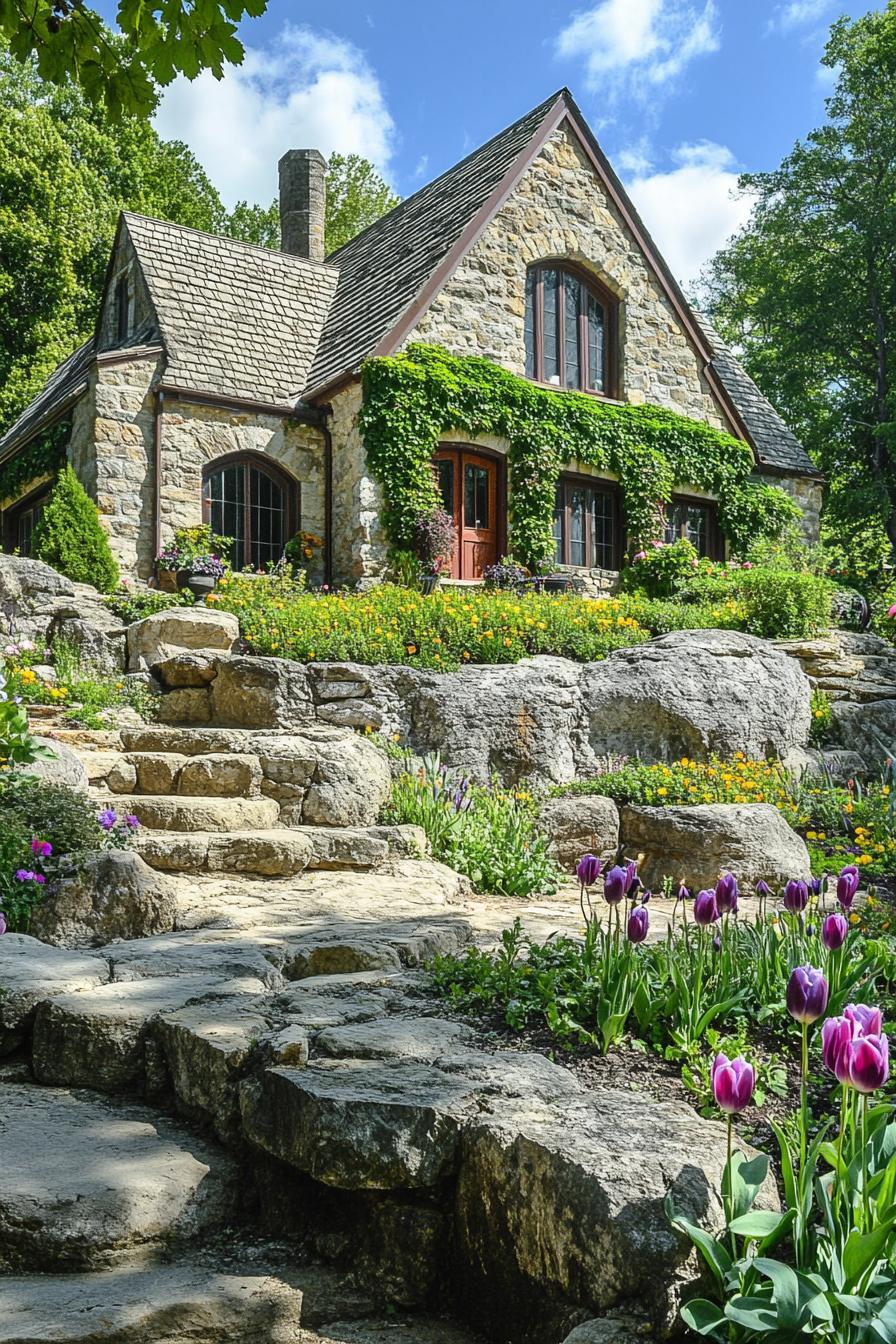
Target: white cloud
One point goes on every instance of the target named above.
(638, 42)
(692, 208)
(310, 90)
(797, 14)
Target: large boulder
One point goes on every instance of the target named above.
(158, 637)
(867, 730)
(694, 693)
(695, 844)
(115, 894)
(64, 766)
(27, 586)
(36, 602)
(580, 824)
(30, 971)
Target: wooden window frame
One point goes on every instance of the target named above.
(592, 288)
(715, 538)
(291, 488)
(12, 514)
(569, 481)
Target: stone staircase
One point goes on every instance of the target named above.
(236, 801)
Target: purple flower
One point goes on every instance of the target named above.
(706, 910)
(866, 1021)
(632, 880)
(614, 885)
(848, 885)
(762, 889)
(2, 922)
(132, 822)
(42, 848)
(836, 1035)
(638, 924)
(683, 893)
(24, 875)
(866, 1061)
(796, 896)
(733, 1081)
(816, 885)
(588, 869)
(107, 818)
(834, 931)
(726, 894)
(645, 897)
(807, 994)
(39, 879)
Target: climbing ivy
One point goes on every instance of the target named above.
(411, 399)
(43, 456)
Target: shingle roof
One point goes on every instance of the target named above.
(775, 445)
(65, 384)
(235, 319)
(382, 270)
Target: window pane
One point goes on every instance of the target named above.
(225, 499)
(475, 496)
(572, 292)
(603, 538)
(445, 477)
(559, 525)
(530, 323)
(551, 357)
(697, 520)
(577, 503)
(268, 519)
(596, 379)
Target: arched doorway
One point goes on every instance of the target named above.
(253, 501)
(472, 486)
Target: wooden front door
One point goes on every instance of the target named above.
(468, 482)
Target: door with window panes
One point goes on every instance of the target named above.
(469, 485)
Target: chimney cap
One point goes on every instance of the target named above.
(301, 154)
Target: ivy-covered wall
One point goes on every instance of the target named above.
(40, 458)
(413, 398)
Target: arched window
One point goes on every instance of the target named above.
(254, 502)
(570, 330)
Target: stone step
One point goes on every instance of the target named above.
(168, 1304)
(88, 1183)
(190, 741)
(172, 812)
(275, 852)
(215, 775)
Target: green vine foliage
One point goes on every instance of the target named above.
(43, 456)
(413, 398)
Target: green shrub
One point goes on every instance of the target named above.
(662, 570)
(488, 834)
(772, 603)
(820, 727)
(69, 536)
(131, 605)
(53, 812)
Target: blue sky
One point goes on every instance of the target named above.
(683, 94)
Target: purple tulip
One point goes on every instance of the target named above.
(614, 885)
(726, 894)
(645, 896)
(836, 1035)
(638, 923)
(815, 886)
(107, 818)
(796, 896)
(588, 869)
(717, 944)
(848, 885)
(683, 893)
(632, 880)
(42, 848)
(866, 1021)
(2, 922)
(706, 910)
(867, 1062)
(733, 1081)
(807, 994)
(834, 931)
(763, 889)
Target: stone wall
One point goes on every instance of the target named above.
(808, 494)
(359, 543)
(559, 209)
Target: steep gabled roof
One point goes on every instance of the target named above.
(65, 385)
(235, 320)
(383, 270)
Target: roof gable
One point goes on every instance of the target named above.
(235, 320)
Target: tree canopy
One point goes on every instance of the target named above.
(806, 292)
(156, 40)
(66, 170)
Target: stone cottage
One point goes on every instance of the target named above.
(222, 380)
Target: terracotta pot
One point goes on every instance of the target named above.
(167, 580)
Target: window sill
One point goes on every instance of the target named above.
(580, 391)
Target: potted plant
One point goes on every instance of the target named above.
(193, 560)
(168, 562)
(202, 575)
(435, 536)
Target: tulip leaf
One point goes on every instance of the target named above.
(713, 1252)
(786, 1288)
(884, 1323)
(762, 1225)
(743, 1180)
(704, 1318)
(756, 1313)
(862, 1250)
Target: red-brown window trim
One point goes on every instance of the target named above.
(573, 479)
(715, 537)
(13, 512)
(291, 488)
(607, 301)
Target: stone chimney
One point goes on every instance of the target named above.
(303, 197)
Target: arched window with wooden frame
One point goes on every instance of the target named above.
(571, 329)
(249, 498)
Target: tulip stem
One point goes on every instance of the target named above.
(804, 1099)
(729, 1200)
(866, 1203)
(841, 1184)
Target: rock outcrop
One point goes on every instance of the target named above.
(36, 602)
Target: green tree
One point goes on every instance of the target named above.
(356, 196)
(807, 290)
(68, 536)
(156, 41)
(65, 173)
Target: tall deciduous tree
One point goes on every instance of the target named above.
(155, 41)
(807, 291)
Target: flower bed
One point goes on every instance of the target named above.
(82, 692)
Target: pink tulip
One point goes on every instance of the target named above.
(733, 1082)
